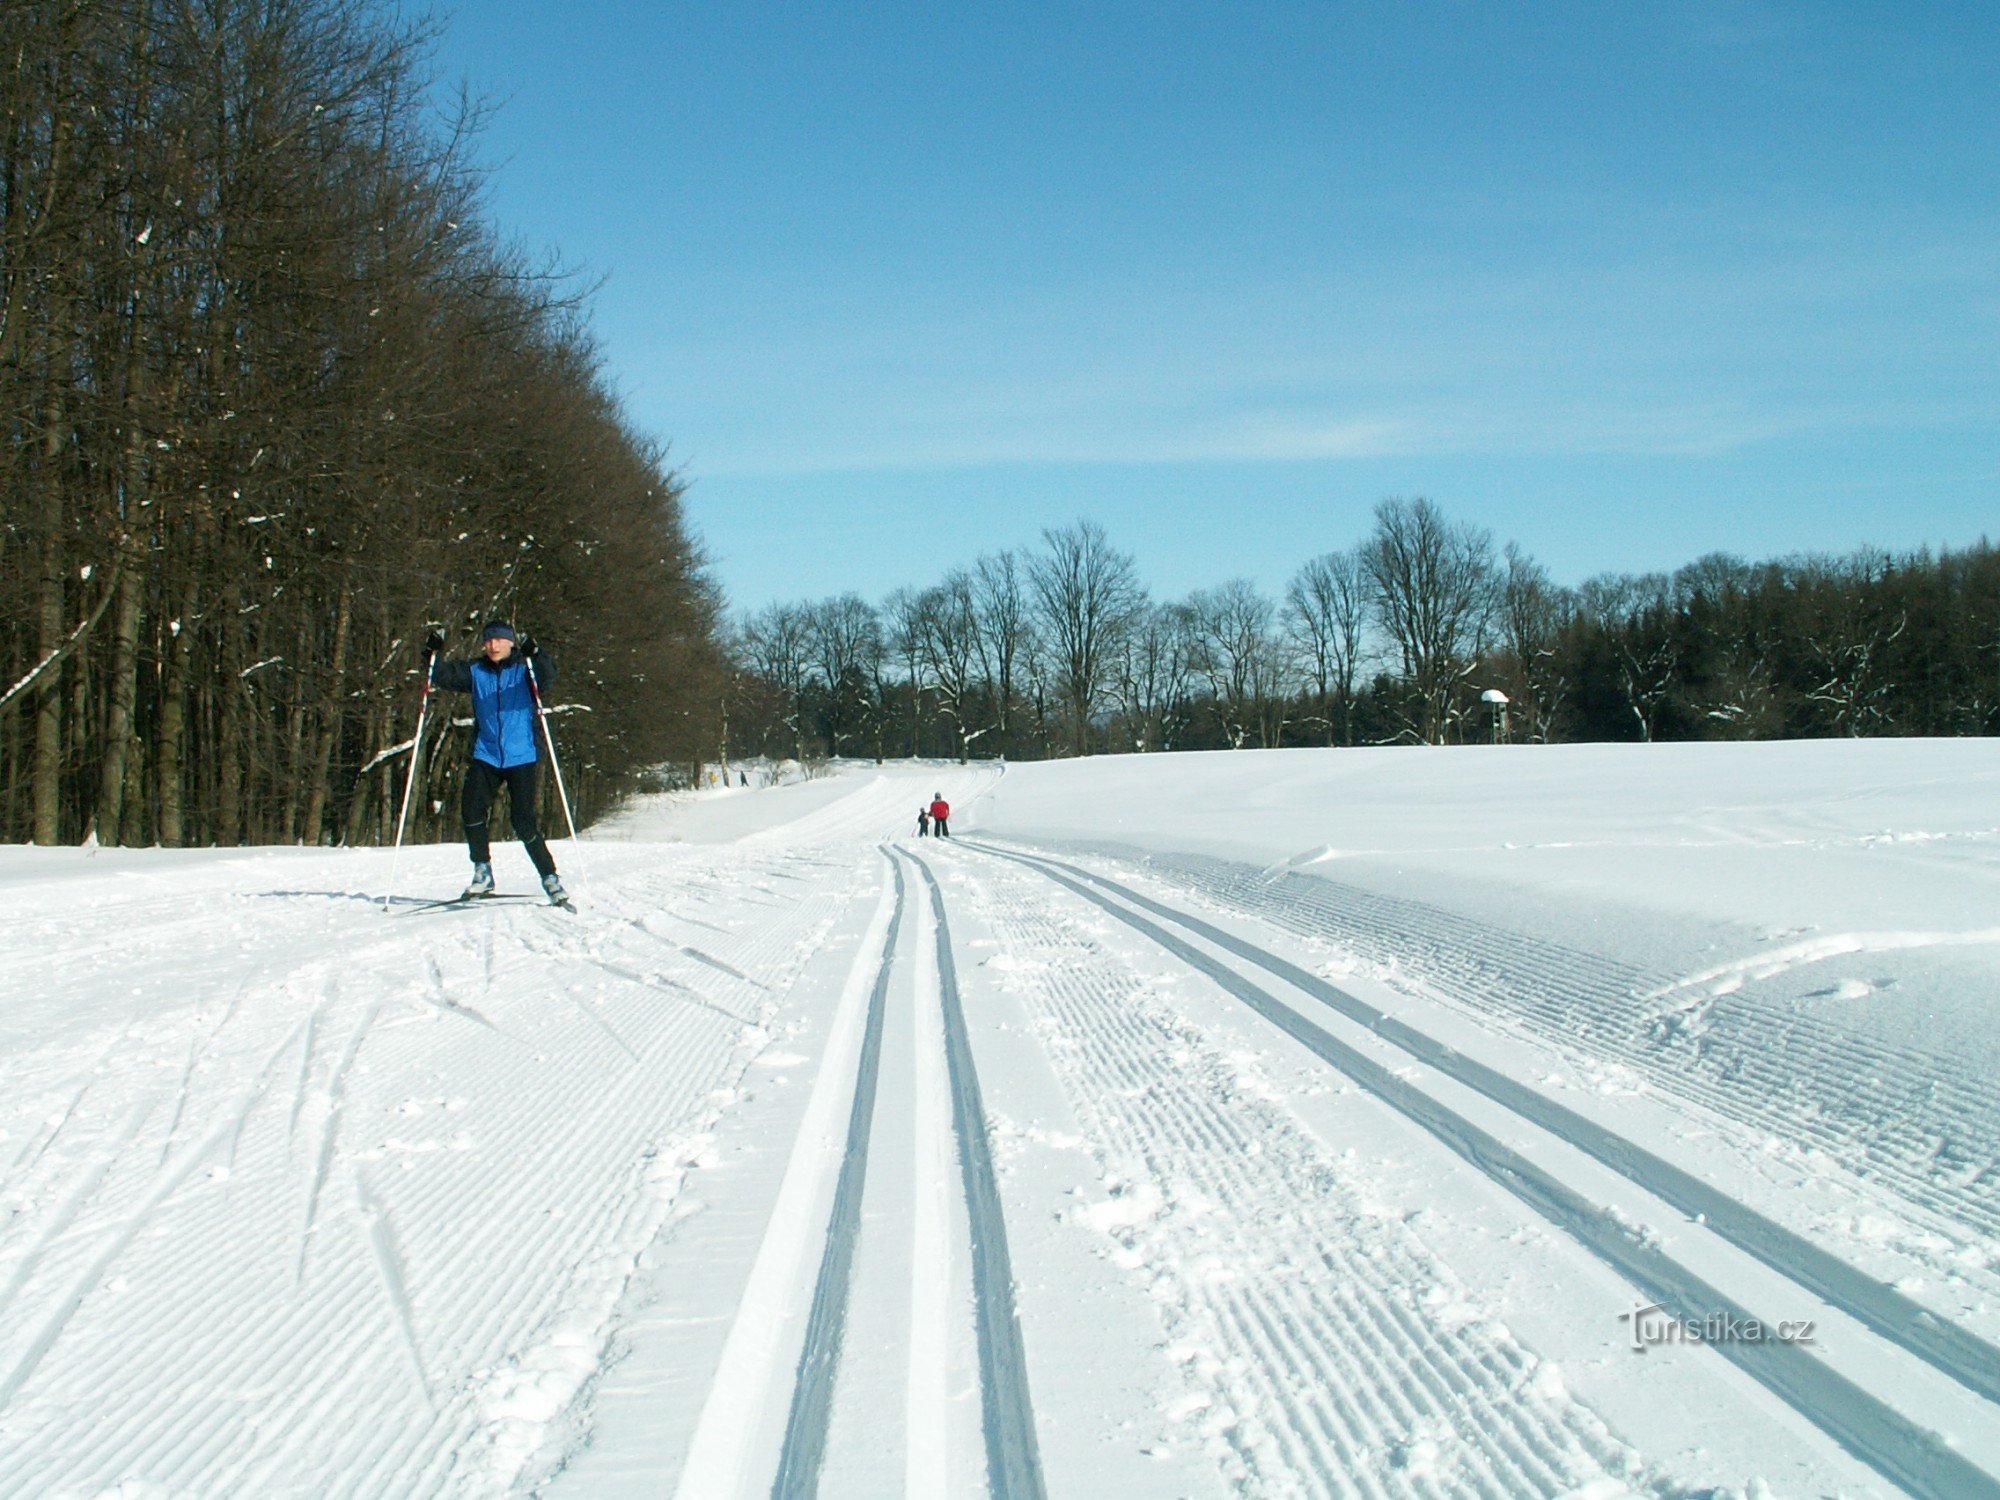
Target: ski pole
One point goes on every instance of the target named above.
(410, 781)
(542, 714)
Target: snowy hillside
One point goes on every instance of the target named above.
(1287, 1123)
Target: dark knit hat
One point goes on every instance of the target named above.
(497, 630)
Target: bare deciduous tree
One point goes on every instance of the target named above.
(1239, 656)
(1326, 607)
(1157, 662)
(1532, 614)
(1088, 593)
(1431, 584)
(948, 627)
(779, 641)
(844, 636)
(1000, 598)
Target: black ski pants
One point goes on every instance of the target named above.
(482, 783)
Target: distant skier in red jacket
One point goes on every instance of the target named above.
(940, 811)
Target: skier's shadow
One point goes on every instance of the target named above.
(366, 898)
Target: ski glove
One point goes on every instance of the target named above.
(527, 644)
(433, 643)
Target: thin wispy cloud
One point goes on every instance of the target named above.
(1708, 264)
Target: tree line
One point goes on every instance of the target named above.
(1410, 636)
(278, 395)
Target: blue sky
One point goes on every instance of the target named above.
(1625, 283)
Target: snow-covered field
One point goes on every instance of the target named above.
(1286, 1123)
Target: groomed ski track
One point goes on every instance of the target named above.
(827, 1161)
(1865, 1421)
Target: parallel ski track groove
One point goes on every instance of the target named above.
(1013, 1454)
(819, 1360)
(1307, 1339)
(329, 1136)
(1944, 1345)
(1904, 1453)
(1798, 1068)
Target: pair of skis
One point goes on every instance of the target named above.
(453, 903)
(410, 782)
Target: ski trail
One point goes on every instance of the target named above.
(640, 923)
(91, 1077)
(723, 1457)
(1903, 1452)
(180, 1100)
(68, 1114)
(1323, 1350)
(927, 1405)
(336, 1089)
(305, 1068)
(656, 982)
(73, 1203)
(395, 1283)
(591, 1014)
(819, 1362)
(445, 1003)
(197, 1048)
(1013, 1456)
(514, 1225)
(93, 1274)
(1919, 1125)
(257, 1091)
(1945, 1346)
(715, 963)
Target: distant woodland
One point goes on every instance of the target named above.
(1400, 639)
(277, 393)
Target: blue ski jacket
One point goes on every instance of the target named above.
(503, 705)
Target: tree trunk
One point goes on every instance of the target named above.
(133, 831)
(172, 797)
(230, 692)
(363, 799)
(108, 815)
(330, 721)
(49, 613)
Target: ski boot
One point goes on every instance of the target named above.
(552, 884)
(482, 882)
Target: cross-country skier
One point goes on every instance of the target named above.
(504, 752)
(923, 821)
(940, 812)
